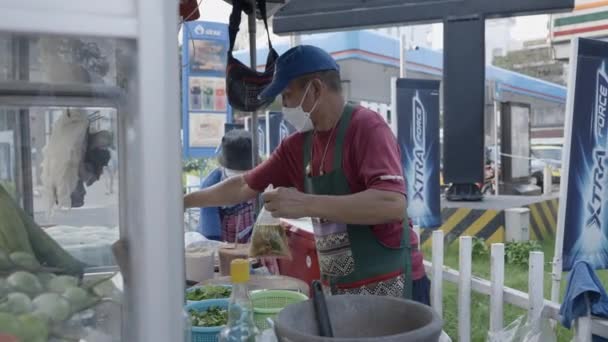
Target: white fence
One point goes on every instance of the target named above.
(533, 301)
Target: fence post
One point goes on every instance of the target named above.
(582, 325)
(498, 280)
(535, 285)
(464, 289)
(437, 273)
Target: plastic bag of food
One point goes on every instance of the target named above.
(269, 238)
(524, 330)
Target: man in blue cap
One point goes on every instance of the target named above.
(343, 169)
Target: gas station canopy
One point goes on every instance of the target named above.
(318, 15)
(464, 61)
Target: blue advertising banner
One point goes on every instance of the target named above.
(583, 212)
(205, 108)
(418, 136)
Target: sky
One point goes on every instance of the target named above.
(525, 28)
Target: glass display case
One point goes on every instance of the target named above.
(89, 149)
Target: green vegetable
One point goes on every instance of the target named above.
(9, 324)
(13, 237)
(19, 233)
(212, 317)
(5, 262)
(79, 298)
(37, 329)
(61, 283)
(17, 303)
(25, 282)
(208, 292)
(103, 288)
(4, 287)
(53, 306)
(45, 278)
(25, 261)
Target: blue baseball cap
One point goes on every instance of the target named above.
(296, 62)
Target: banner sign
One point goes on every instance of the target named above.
(205, 108)
(418, 136)
(583, 212)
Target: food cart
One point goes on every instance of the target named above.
(113, 62)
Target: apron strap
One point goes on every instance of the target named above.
(342, 127)
(407, 286)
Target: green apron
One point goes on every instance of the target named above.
(350, 256)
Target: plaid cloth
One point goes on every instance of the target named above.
(239, 218)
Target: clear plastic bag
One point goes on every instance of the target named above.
(269, 238)
(522, 330)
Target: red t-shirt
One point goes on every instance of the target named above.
(371, 159)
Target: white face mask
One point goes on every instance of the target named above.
(299, 118)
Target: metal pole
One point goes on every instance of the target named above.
(496, 146)
(295, 40)
(254, 115)
(402, 46)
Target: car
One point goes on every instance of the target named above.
(543, 155)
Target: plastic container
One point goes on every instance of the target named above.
(361, 319)
(190, 289)
(200, 266)
(211, 334)
(268, 303)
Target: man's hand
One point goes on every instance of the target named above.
(286, 203)
(121, 254)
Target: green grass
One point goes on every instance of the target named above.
(515, 277)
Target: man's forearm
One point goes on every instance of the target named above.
(369, 207)
(231, 191)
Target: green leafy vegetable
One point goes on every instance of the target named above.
(212, 317)
(17, 303)
(4, 287)
(45, 278)
(10, 324)
(61, 283)
(37, 329)
(208, 292)
(25, 261)
(79, 298)
(53, 306)
(25, 282)
(5, 262)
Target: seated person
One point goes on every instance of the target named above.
(230, 223)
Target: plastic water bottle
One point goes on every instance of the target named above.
(241, 326)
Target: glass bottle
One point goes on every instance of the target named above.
(241, 326)
(187, 326)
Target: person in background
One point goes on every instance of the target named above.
(343, 169)
(110, 171)
(231, 223)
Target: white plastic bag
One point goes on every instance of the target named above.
(522, 330)
(63, 156)
(192, 238)
(269, 238)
